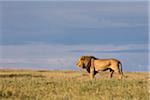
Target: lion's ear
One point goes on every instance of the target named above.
(82, 58)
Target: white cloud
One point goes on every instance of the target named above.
(11, 61)
(109, 47)
(58, 56)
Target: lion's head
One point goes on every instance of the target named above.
(84, 61)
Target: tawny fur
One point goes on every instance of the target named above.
(94, 65)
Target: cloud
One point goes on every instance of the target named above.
(71, 22)
(33, 15)
(54, 34)
(58, 56)
(80, 0)
(119, 51)
(11, 61)
(74, 22)
(112, 48)
(49, 63)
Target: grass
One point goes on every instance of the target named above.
(71, 85)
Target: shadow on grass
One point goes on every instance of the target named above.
(19, 75)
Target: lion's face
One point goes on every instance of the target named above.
(80, 62)
(84, 61)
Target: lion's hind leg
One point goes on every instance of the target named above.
(119, 74)
(111, 73)
(117, 71)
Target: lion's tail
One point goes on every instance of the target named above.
(120, 67)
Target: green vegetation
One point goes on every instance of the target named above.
(71, 85)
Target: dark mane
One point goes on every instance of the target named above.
(93, 57)
(87, 65)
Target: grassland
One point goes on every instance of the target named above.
(71, 85)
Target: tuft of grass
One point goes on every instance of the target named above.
(71, 85)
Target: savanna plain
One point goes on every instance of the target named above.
(72, 85)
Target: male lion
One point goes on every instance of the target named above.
(94, 65)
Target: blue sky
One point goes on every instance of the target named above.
(52, 35)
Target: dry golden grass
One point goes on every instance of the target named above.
(71, 85)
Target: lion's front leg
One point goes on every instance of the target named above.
(91, 72)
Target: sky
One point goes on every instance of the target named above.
(53, 35)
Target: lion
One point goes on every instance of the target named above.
(94, 65)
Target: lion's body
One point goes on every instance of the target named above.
(94, 65)
(103, 64)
